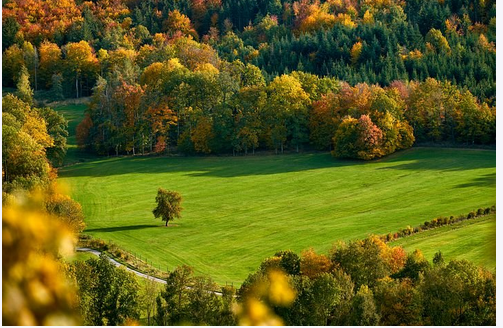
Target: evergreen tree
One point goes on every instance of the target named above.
(56, 91)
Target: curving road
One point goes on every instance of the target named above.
(117, 264)
(139, 274)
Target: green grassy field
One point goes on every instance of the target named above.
(473, 240)
(240, 210)
(80, 256)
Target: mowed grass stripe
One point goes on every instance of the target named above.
(239, 210)
(473, 240)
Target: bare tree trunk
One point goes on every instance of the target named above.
(142, 144)
(77, 83)
(178, 125)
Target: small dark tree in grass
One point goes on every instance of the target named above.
(168, 205)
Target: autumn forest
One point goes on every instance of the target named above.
(106, 102)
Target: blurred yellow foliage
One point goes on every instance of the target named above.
(35, 290)
(255, 313)
(280, 291)
(276, 291)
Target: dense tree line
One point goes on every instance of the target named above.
(232, 109)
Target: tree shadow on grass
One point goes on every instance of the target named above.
(208, 166)
(488, 180)
(415, 159)
(439, 159)
(123, 228)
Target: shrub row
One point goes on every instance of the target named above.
(436, 222)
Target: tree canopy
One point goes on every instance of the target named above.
(168, 205)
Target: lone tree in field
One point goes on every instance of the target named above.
(168, 205)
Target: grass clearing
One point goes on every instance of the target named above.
(473, 240)
(74, 114)
(240, 210)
